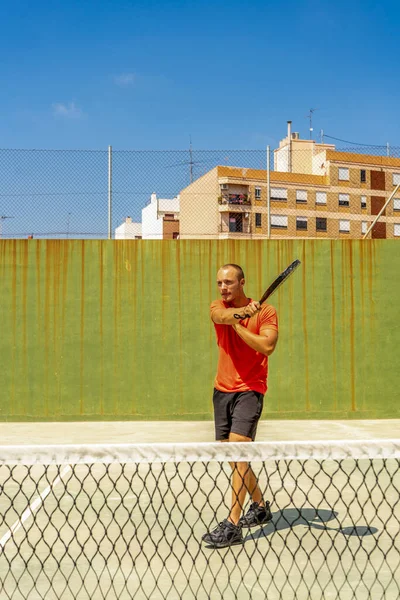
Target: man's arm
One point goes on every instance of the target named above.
(263, 342)
(224, 316)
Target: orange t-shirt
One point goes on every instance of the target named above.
(241, 368)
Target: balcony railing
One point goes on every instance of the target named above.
(224, 228)
(241, 199)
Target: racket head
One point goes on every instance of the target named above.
(280, 279)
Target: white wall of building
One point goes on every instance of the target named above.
(152, 226)
(128, 230)
(319, 164)
(153, 215)
(281, 159)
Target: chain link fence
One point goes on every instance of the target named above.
(136, 522)
(300, 189)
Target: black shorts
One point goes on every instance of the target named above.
(237, 412)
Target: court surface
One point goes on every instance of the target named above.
(193, 431)
(134, 532)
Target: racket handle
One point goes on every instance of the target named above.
(240, 317)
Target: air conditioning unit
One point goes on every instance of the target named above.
(224, 186)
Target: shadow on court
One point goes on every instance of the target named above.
(290, 518)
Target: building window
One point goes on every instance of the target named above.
(301, 223)
(278, 194)
(175, 235)
(396, 178)
(396, 204)
(321, 224)
(344, 174)
(363, 175)
(364, 227)
(301, 196)
(320, 198)
(363, 201)
(258, 219)
(258, 193)
(279, 221)
(344, 200)
(396, 231)
(344, 226)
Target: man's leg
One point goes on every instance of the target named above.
(243, 481)
(229, 532)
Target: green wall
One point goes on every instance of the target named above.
(120, 329)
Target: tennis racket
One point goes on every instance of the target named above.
(274, 285)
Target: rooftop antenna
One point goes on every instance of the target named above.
(310, 116)
(2, 218)
(191, 163)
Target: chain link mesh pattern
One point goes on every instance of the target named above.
(289, 192)
(133, 529)
(53, 193)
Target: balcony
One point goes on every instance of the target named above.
(234, 232)
(235, 224)
(234, 201)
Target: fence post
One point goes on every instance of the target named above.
(268, 195)
(109, 192)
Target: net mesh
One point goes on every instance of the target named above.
(126, 521)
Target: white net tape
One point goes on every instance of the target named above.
(199, 452)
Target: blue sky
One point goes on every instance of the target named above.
(146, 75)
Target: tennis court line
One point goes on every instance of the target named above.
(32, 507)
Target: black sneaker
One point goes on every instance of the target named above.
(256, 515)
(226, 534)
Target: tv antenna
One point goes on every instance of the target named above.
(191, 162)
(2, 218)
(310, 117)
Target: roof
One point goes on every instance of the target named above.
(364, 159)
(274, 176)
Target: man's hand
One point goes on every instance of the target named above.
(227, 316)
(249, 310)
(252, 308)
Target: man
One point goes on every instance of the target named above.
(240, 385)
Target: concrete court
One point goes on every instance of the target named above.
(190, 431)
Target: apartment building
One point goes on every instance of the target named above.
(314, 191)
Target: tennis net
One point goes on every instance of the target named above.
(126, 521)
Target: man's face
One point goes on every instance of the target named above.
(229, 285)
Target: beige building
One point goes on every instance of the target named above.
(314, 192)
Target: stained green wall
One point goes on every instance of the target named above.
(121, 330)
